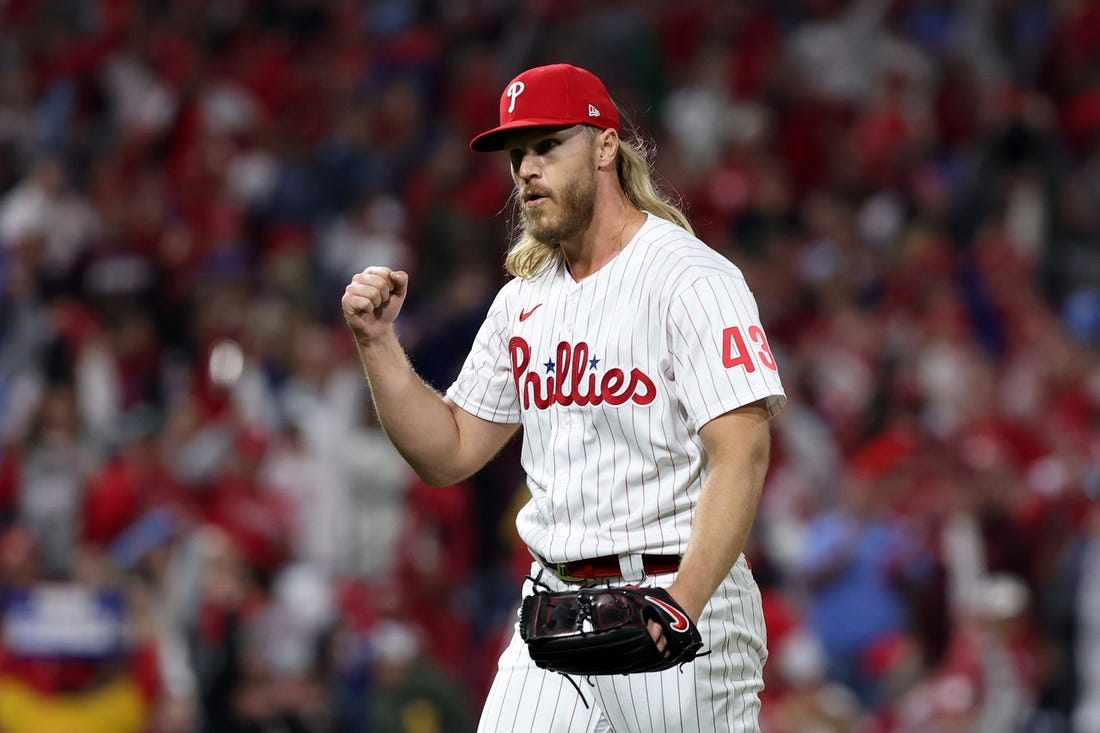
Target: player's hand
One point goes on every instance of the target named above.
(372, 301)
(655, 630)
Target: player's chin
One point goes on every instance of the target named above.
(546, 233)
(534, 221)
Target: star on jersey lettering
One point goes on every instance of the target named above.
(593, 362)
(549, 366)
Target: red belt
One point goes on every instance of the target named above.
(608, 567)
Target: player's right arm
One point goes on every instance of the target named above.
(442, 442)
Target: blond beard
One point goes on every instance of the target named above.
(577, 205)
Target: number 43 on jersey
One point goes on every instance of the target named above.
(736, 353)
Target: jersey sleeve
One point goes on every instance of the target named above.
(484, 386)
(720, 354)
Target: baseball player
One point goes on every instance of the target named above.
(634, 359)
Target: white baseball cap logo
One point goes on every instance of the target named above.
(514, 90)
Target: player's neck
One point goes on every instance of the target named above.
(614, 224)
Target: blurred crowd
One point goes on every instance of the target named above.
(202, 526)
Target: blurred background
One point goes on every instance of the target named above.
(202, 527)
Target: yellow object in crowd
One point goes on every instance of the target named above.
(117, 707)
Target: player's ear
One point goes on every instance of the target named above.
(607, 148)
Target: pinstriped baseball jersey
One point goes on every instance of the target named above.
(611, 378)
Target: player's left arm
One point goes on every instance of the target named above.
(737, 445)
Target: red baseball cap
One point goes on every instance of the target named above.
(559, 95)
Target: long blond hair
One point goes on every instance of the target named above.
(528, 256)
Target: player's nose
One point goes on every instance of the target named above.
(527, 168)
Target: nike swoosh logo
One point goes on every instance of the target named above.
(524, 315)
(680, 622)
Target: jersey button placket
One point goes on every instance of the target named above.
(570, 318)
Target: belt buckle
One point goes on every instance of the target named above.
(561, 568)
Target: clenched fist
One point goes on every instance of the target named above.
(372, 301)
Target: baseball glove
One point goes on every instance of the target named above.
(598, 631)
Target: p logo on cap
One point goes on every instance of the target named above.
(514, 90)
(558, 95)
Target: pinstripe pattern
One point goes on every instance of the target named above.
(612, 378)
(617, 478)
(717, 693)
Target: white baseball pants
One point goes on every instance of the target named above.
(717, 693)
